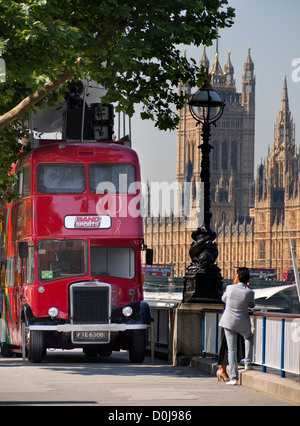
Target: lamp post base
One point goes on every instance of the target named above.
(203, 281)
(202, 287)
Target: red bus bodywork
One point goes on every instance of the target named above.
(288, 275)
(71, 252)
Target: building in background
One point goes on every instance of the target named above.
(233, 139)
(252, 216)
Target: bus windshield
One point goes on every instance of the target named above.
(113, 262)
(61, 258)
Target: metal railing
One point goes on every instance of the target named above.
(276, 341)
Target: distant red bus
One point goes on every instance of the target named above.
(158, 270)
(71, 273)
(288, 275)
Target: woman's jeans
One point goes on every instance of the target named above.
(231, 338)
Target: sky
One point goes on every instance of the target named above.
(271, 28)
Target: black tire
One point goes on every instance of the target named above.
(90, 351)
(37, 349)
(6, 352)
(137, 349)
(105, 352)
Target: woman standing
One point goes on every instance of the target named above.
(223, 352)
(235, 320)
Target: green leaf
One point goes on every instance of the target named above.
(130, 48)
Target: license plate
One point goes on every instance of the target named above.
(90, 336)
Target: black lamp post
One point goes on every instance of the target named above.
(203, 280)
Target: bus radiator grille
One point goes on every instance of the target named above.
(90, 305)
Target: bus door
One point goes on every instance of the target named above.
(11, 283)
(8, 334)
(25, 276)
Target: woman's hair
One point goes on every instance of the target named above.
(236, 279)
(244, 275)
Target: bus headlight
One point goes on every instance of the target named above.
(53, 312)
(127, 311)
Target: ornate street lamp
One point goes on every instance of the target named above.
(203, 280)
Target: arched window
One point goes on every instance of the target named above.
(276, 175)
(234, 156)
(281, 133)
(287, 134)
(224, 156)
(215, 156)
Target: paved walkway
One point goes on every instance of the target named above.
(69, 378)
(267, 383)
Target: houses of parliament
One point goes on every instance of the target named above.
(253, 214)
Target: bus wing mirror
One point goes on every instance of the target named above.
(23, 250)
(149, 257)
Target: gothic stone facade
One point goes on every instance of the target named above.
(251, 216)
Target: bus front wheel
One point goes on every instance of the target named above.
(36, 346)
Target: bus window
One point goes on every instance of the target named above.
(112, 178)
(10, 272)
(113, 262)
(30, 266)
(23, 182)
(26, 181)
(62, 258)
(64, 178)
(20, 183)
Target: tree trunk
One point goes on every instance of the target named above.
(35, 97)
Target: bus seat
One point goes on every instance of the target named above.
(60, 268)
(66, 256)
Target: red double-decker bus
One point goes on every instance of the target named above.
(288, 275)
(71, 272)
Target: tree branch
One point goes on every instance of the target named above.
(35, 97)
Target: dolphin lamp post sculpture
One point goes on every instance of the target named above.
(203, 280)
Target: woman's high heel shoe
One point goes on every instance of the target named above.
(222, 376)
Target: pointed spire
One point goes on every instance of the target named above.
(204, 62)
(249, 65)
(248, 84)
(216, 68)
(184, 52)
(184, 88)
(228, 68)
(222, 180)
(285, 98)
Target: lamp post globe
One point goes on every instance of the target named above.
(206, 105)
